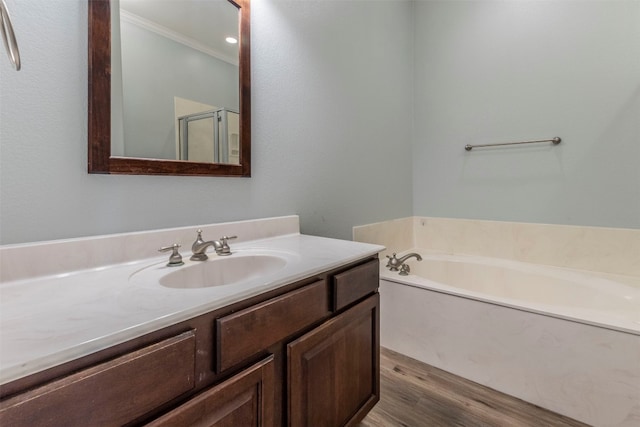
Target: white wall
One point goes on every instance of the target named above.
(331, 83)
(495, 71)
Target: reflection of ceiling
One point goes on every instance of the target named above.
(202, 22)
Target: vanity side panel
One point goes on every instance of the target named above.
(111, 393)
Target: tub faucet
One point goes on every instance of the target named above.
(199, 247)
(395, 264)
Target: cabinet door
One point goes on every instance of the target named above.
(246, 400)
(334, 370)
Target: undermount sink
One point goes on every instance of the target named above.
(216, 271)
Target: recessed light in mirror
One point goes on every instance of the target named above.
(231, 40)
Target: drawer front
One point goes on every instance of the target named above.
(250, 331)
(355, 284)
(112, 393)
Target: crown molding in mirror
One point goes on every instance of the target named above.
(99, 103)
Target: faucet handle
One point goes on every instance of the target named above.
(393, 262)
(175, 259)
(225, 249)
(199, 237)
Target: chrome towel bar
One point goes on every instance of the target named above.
(555, 141)
(8, 36)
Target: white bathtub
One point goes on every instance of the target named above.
(562, 339)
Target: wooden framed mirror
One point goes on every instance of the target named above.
(231, 157)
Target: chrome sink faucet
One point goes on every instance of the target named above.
(199, 247)
(395, 264)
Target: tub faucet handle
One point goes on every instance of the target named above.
(393, 262)
(175, 259)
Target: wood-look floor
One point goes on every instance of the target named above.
(414, 394)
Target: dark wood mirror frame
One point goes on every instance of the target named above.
(99, 131)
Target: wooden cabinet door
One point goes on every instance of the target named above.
(334, 370)
(246, 400)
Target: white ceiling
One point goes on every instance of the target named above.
(207, 22)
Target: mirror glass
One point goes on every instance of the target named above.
(179, 87)
(168, 49)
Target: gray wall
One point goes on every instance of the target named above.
(337, 88)
(497, 71)
(331, 83)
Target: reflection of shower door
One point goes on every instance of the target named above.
(210, 136)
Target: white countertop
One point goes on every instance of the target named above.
(46, 321)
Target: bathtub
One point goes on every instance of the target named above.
(562, 339)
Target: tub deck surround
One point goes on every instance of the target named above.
(597, 249)
(563, 339)
(547, 313)
(605, 300)
(57, 316)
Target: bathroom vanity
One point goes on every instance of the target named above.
(298, 346)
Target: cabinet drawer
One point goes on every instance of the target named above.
(355, 284)
(250, 331)
(112, 393)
